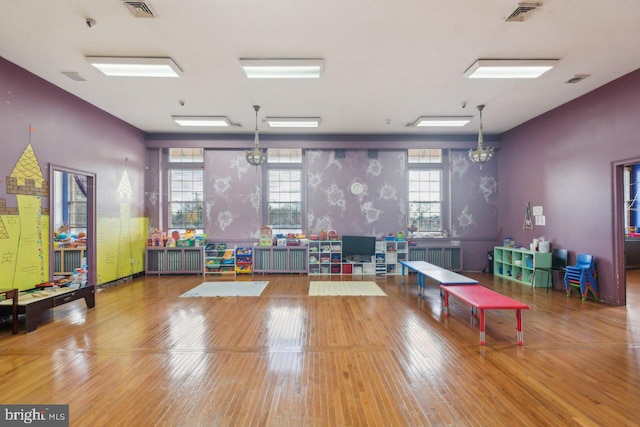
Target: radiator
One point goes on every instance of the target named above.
(435, 257)
(417, 254)
(174, 261)
(279, 260)
(262, 259)
(298, 260)
(192, 260)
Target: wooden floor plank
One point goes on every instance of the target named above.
(145, 356)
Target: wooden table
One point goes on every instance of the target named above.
(33, 307)
(485, 299)
(13, 294)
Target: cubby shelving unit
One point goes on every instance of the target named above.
(325, 257)
(518, 264)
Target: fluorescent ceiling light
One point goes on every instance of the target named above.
(441, 121)
(293, 122)
(509, 68)
(135, 67)
(211, 121)
(282, 68)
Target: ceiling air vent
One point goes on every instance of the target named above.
(73, 75)
(577, 78)
(139, 9)
(522, 11)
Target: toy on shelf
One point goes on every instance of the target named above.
(266, 236)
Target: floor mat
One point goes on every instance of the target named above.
(345, 288)
(226, 289)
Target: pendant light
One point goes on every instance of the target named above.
(256, 156)
(481, 154)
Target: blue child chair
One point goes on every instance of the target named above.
(583, 276)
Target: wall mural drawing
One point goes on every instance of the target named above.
(239, 163)
(225, 219)
(488, 188)
(465, 219)
(459, 165)
(125, 249)
(314, 179)
(221, 186)
(387, 192)
(232, 197)
(28, 230)
(375, 168)
(335, 196)
(375, 209)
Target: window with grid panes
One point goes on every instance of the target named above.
(186, 189)
(186, 155)
(77, 203)
(425, 189)
(285, 200)
(284, 155)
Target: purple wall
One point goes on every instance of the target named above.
(232, 197)
(68, 132)
(563, 160)
(474, 207)
(378, 211)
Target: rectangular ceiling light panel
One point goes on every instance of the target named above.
(509, 68)
(441, 121)
(282, 68)
(202, 121)
(135, 67)
(293, 122)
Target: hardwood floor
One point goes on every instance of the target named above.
(144, 357)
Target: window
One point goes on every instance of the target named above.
(186, 155)
(77, 203)
(284, 155)
(186, 189)
(425, 199)
(285, 200)
(630, 199)
(185, 198)
(425, 155)
(425, 195)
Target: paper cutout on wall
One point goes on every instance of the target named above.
(528, 223)
(31, 262)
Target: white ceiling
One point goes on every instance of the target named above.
(386, 62)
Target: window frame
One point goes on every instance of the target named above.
(168, 167)
(445, 190)
(301, 168)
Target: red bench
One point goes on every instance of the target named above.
(485, 299)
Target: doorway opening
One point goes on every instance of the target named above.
(626, 219)
(72, 223)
